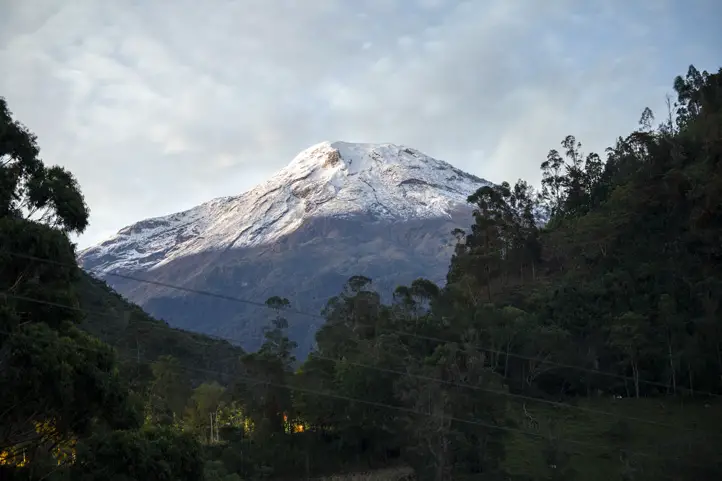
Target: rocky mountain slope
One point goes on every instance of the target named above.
(338, 209)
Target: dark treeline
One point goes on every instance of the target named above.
(579, 336)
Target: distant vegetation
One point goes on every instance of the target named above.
(588, 349)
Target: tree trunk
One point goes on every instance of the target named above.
(308, 461)
(719, 359)
(488, 283)
(671, 367)
(506, 360)
(626, 386)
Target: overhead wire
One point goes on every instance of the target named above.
(467, 421)
(291, 310)
(376, 368)
(258, 304)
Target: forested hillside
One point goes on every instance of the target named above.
(136, 335)
(590, 348)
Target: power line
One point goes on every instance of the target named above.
(377, 368)
(471, 422)
(543, 361)
(160, 284)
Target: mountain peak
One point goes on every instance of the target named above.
(329, 179)
(346, 159)
(350, 155)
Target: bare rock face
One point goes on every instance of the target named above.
(336, 210)
(332, 159)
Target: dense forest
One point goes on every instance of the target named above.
(584, 347)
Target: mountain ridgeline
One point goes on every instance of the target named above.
(585, 344)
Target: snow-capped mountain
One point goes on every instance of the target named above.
(330, 179)
(382, 210)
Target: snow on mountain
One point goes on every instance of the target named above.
(330, 179)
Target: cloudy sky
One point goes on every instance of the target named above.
(159, 105)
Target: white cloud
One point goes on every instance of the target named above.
(157, 106)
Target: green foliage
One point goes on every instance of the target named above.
(139, 455)
(64, 381)
(169, 391)
(141, 339)
(263, 375)
(39, 281)
(216, 471)
(30, 190)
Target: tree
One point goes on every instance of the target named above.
(139, 455)
(28, 189)
(553, 182)
(491, 234)
(455, 433)
(61, 385)
(169, 391)
(645, 121)
(264, 375)
(204, 408)
(276, 344)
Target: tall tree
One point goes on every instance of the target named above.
(263, 384)
(29, 189)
